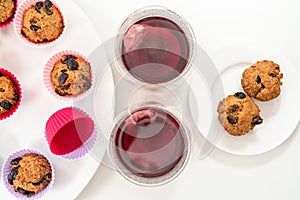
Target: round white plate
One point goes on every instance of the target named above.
(280, 115)
(25, 129)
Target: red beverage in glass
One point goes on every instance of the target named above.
(150, 142)
(155, 50)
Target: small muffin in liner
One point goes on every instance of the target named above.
(68, 75)
(7, 12)
(70, 133)
(39, 23)
(14, 159)
(14, 102)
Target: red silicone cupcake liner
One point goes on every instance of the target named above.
(47, 74)
(70, 133)
(7, 169)
(14, 79)
(2, 25)
(83, 149)
(18, 23)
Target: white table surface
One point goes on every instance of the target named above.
(273, 175)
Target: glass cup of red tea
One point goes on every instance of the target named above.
(149, 145)
(155, 45)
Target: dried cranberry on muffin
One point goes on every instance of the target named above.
(7, 10)
(42, 22)
(30, 174)
(238, 114)
(71, 76)
(9, 94)
(262, 80)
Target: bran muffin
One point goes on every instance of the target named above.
(71, 76)
(262, 80)
(238, 114)
(9, 94)
(7, 10)
(42, 22)
(30, 174)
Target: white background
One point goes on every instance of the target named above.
(273, 175)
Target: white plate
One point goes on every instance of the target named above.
(280, 115)
(25, 129)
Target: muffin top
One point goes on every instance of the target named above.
(30, 174)
(71, 76)
(42, 23)
(238, 114)
(9, 94)
(262, 80)
(7, 10)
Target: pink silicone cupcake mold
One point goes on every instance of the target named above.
(70, 133)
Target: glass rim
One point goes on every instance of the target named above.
(143, 13)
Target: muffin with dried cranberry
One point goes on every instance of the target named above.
(7, 11)
(42, 22)
(30, 174)
(262, 80)
(71, 75)
(238, 114)
(9, 93)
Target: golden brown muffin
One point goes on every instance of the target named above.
(71, 76)
(262, 80)
(238, 114)
(7, 10)
(42, 23)
(30, 174)
(9, 94)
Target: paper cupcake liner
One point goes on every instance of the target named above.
(47, 75)
(70, 133)
(7, 73)
(18, 21)
(11, 19)
(7, 169)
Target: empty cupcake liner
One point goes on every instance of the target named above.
(12, 76)
(83, 149)
(7, 169)
(48, 69)
(70, 133)
(18, 23)
(2, 25)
